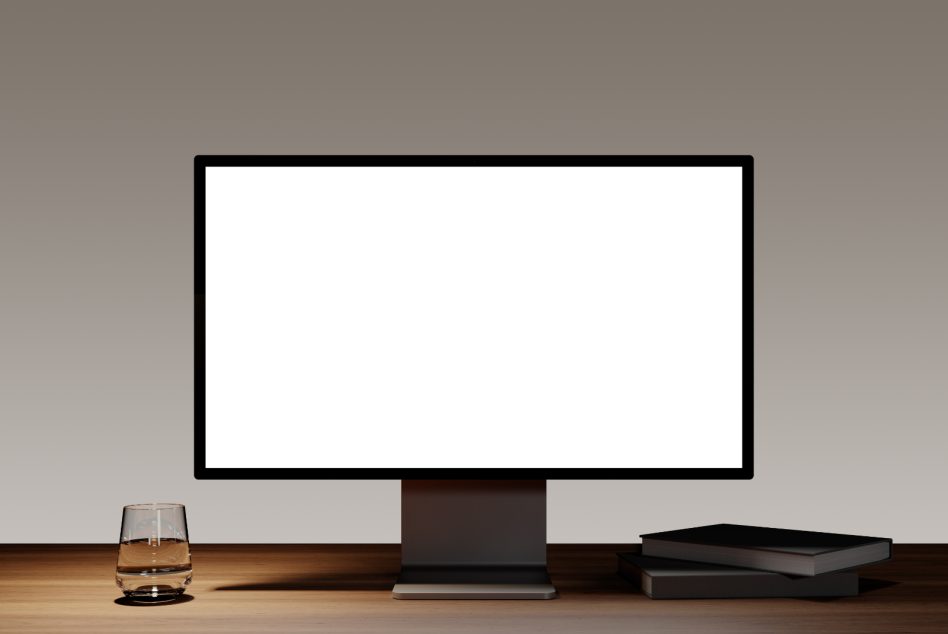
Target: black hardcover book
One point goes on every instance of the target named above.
(674, 579)
(787, 551)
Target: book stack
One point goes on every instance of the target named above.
(733, 561)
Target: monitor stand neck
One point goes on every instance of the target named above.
(474, 539)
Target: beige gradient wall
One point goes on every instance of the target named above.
(103, 105)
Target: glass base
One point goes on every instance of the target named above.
(155, 594)
(153, 588)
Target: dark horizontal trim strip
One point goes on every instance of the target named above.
(493, 160)
(202, 473)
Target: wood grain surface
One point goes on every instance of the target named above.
(347, 588)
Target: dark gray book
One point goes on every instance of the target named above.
(673, 579)
(791, 552)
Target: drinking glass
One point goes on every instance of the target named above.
(154, 559)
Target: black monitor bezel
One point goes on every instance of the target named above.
(745, 472)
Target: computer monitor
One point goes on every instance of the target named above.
(473, 326)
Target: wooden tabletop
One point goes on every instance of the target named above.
(347, 588)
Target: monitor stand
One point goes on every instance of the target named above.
(474, 539)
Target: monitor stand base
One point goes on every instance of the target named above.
(474, 539)
(474, 583)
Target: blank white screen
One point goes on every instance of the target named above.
(547, 317)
